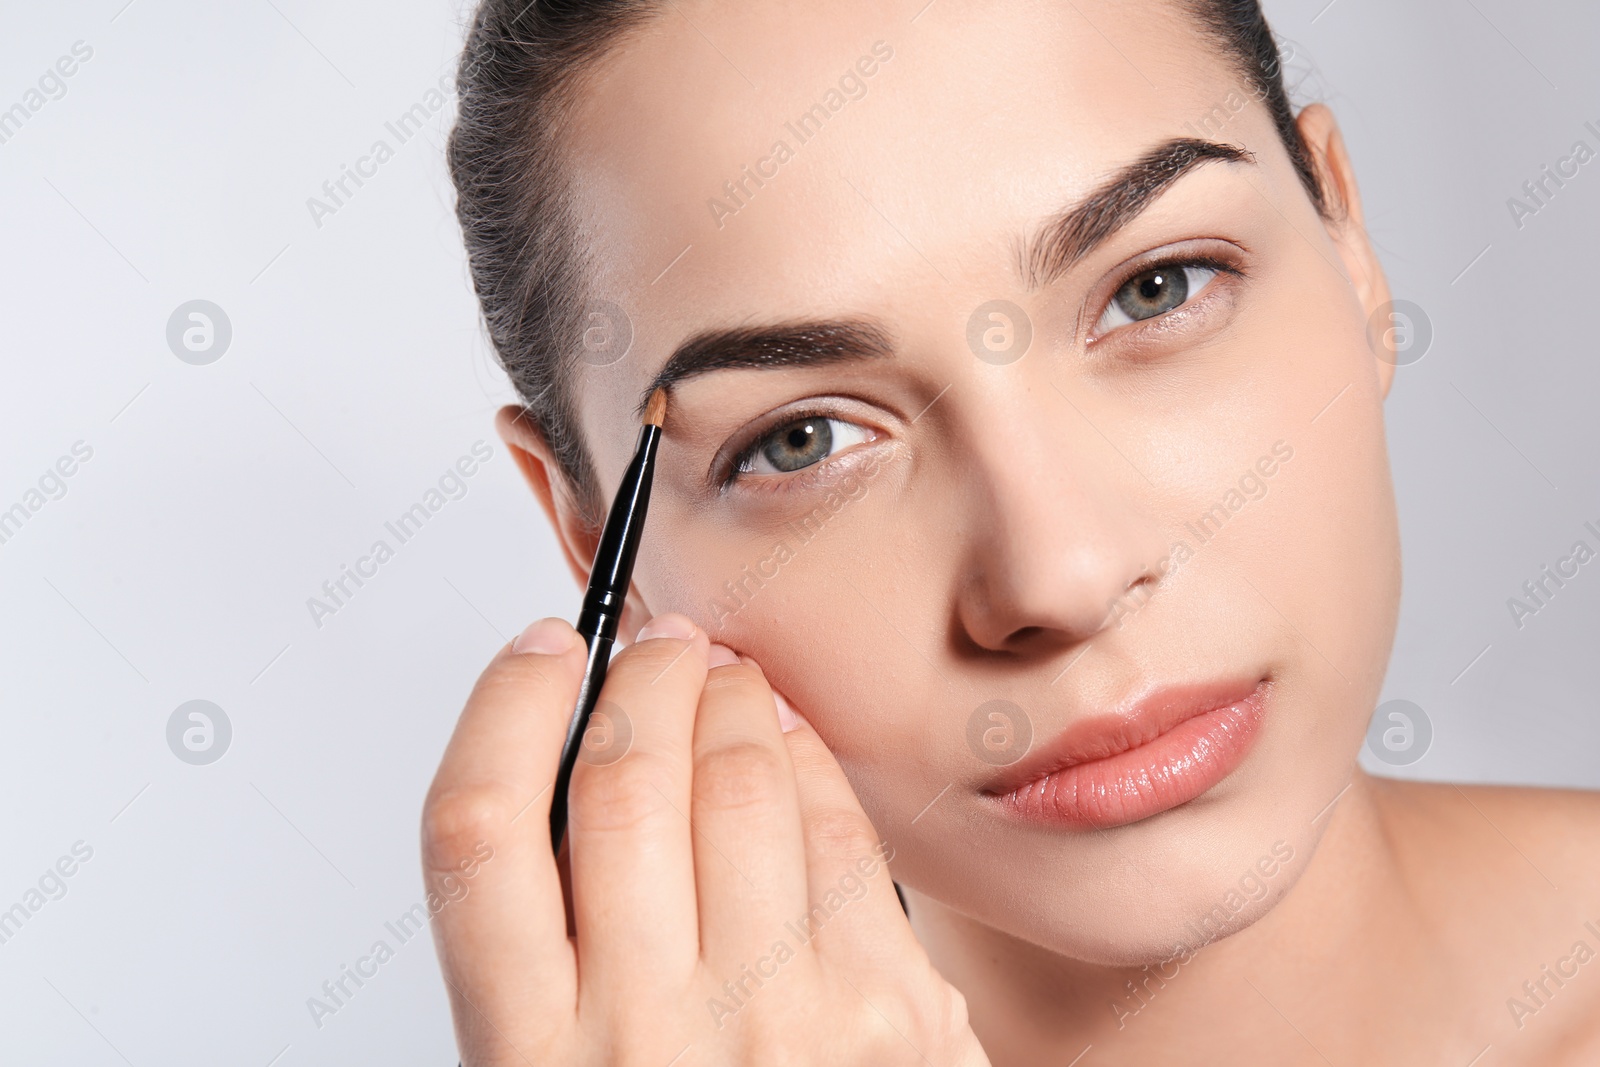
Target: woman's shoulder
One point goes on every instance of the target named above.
(1509, 878)
(1492, 843)
(1541, 827)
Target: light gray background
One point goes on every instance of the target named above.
(177, 566)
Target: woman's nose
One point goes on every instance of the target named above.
(1060, 543)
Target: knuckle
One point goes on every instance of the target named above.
(928, 1011)
(934, 1006)
(866, 1027)
(954, 1010)
(619, 796)
(767, 1038)
(650, 659)
(943, 1016)
(741, 678)
(522, 676)
(840, 834)
(740, 774)
(810, 756)
(486, 1046)
(455, 821)
(636, 1046)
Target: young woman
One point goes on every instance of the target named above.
(1023, 532)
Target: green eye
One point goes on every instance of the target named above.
(1155, 292)
(799, 444)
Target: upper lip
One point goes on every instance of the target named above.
(1138, 722)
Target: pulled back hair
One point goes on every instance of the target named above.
(523, 67)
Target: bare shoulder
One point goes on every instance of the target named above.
(1554, 832)
(1509, 878)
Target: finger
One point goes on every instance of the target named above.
(633, 892)
(749, 851)
(501, 932)
(850, 894)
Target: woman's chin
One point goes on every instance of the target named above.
(1143, 898)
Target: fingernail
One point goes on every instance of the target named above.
(788, 718)
(669, 625)
(722, 656)
(547, 637)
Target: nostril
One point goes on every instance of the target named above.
(1025, 635)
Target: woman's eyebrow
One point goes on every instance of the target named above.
(799, 344)
(1052, 250)
(1077, 230)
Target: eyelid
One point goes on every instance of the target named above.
(725, 465)
(1171, 257)
(750, 461)
(815, 478)
(1193, 292)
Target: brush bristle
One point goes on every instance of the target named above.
(655, 412)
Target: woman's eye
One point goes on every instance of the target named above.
(800, 444)
(1154, 292)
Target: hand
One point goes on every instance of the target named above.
(729, 901)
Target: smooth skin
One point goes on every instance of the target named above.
(692, 856)
(1008, 507)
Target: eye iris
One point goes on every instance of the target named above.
(799, 444)
(1154, 292)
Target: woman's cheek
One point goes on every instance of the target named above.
(827, 602)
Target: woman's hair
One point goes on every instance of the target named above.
(523, 67)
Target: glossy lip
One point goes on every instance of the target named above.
(1165, 749)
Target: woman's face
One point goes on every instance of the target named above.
(1177, 481)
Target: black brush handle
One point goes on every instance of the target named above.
(603, 602)
(594, 676)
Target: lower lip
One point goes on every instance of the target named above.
(1157, 776)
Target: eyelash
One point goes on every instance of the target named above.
(736, 469)
(1221, 266)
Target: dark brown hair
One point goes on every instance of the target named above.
(524, 63)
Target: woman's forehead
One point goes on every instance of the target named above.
(762, 141)
(737, 163)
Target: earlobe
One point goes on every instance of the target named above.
(1347, 226)
(576, 531)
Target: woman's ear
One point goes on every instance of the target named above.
(1348, 227)
(577, 531)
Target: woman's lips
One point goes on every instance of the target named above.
(1165, 750)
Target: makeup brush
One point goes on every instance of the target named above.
(608, 590)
